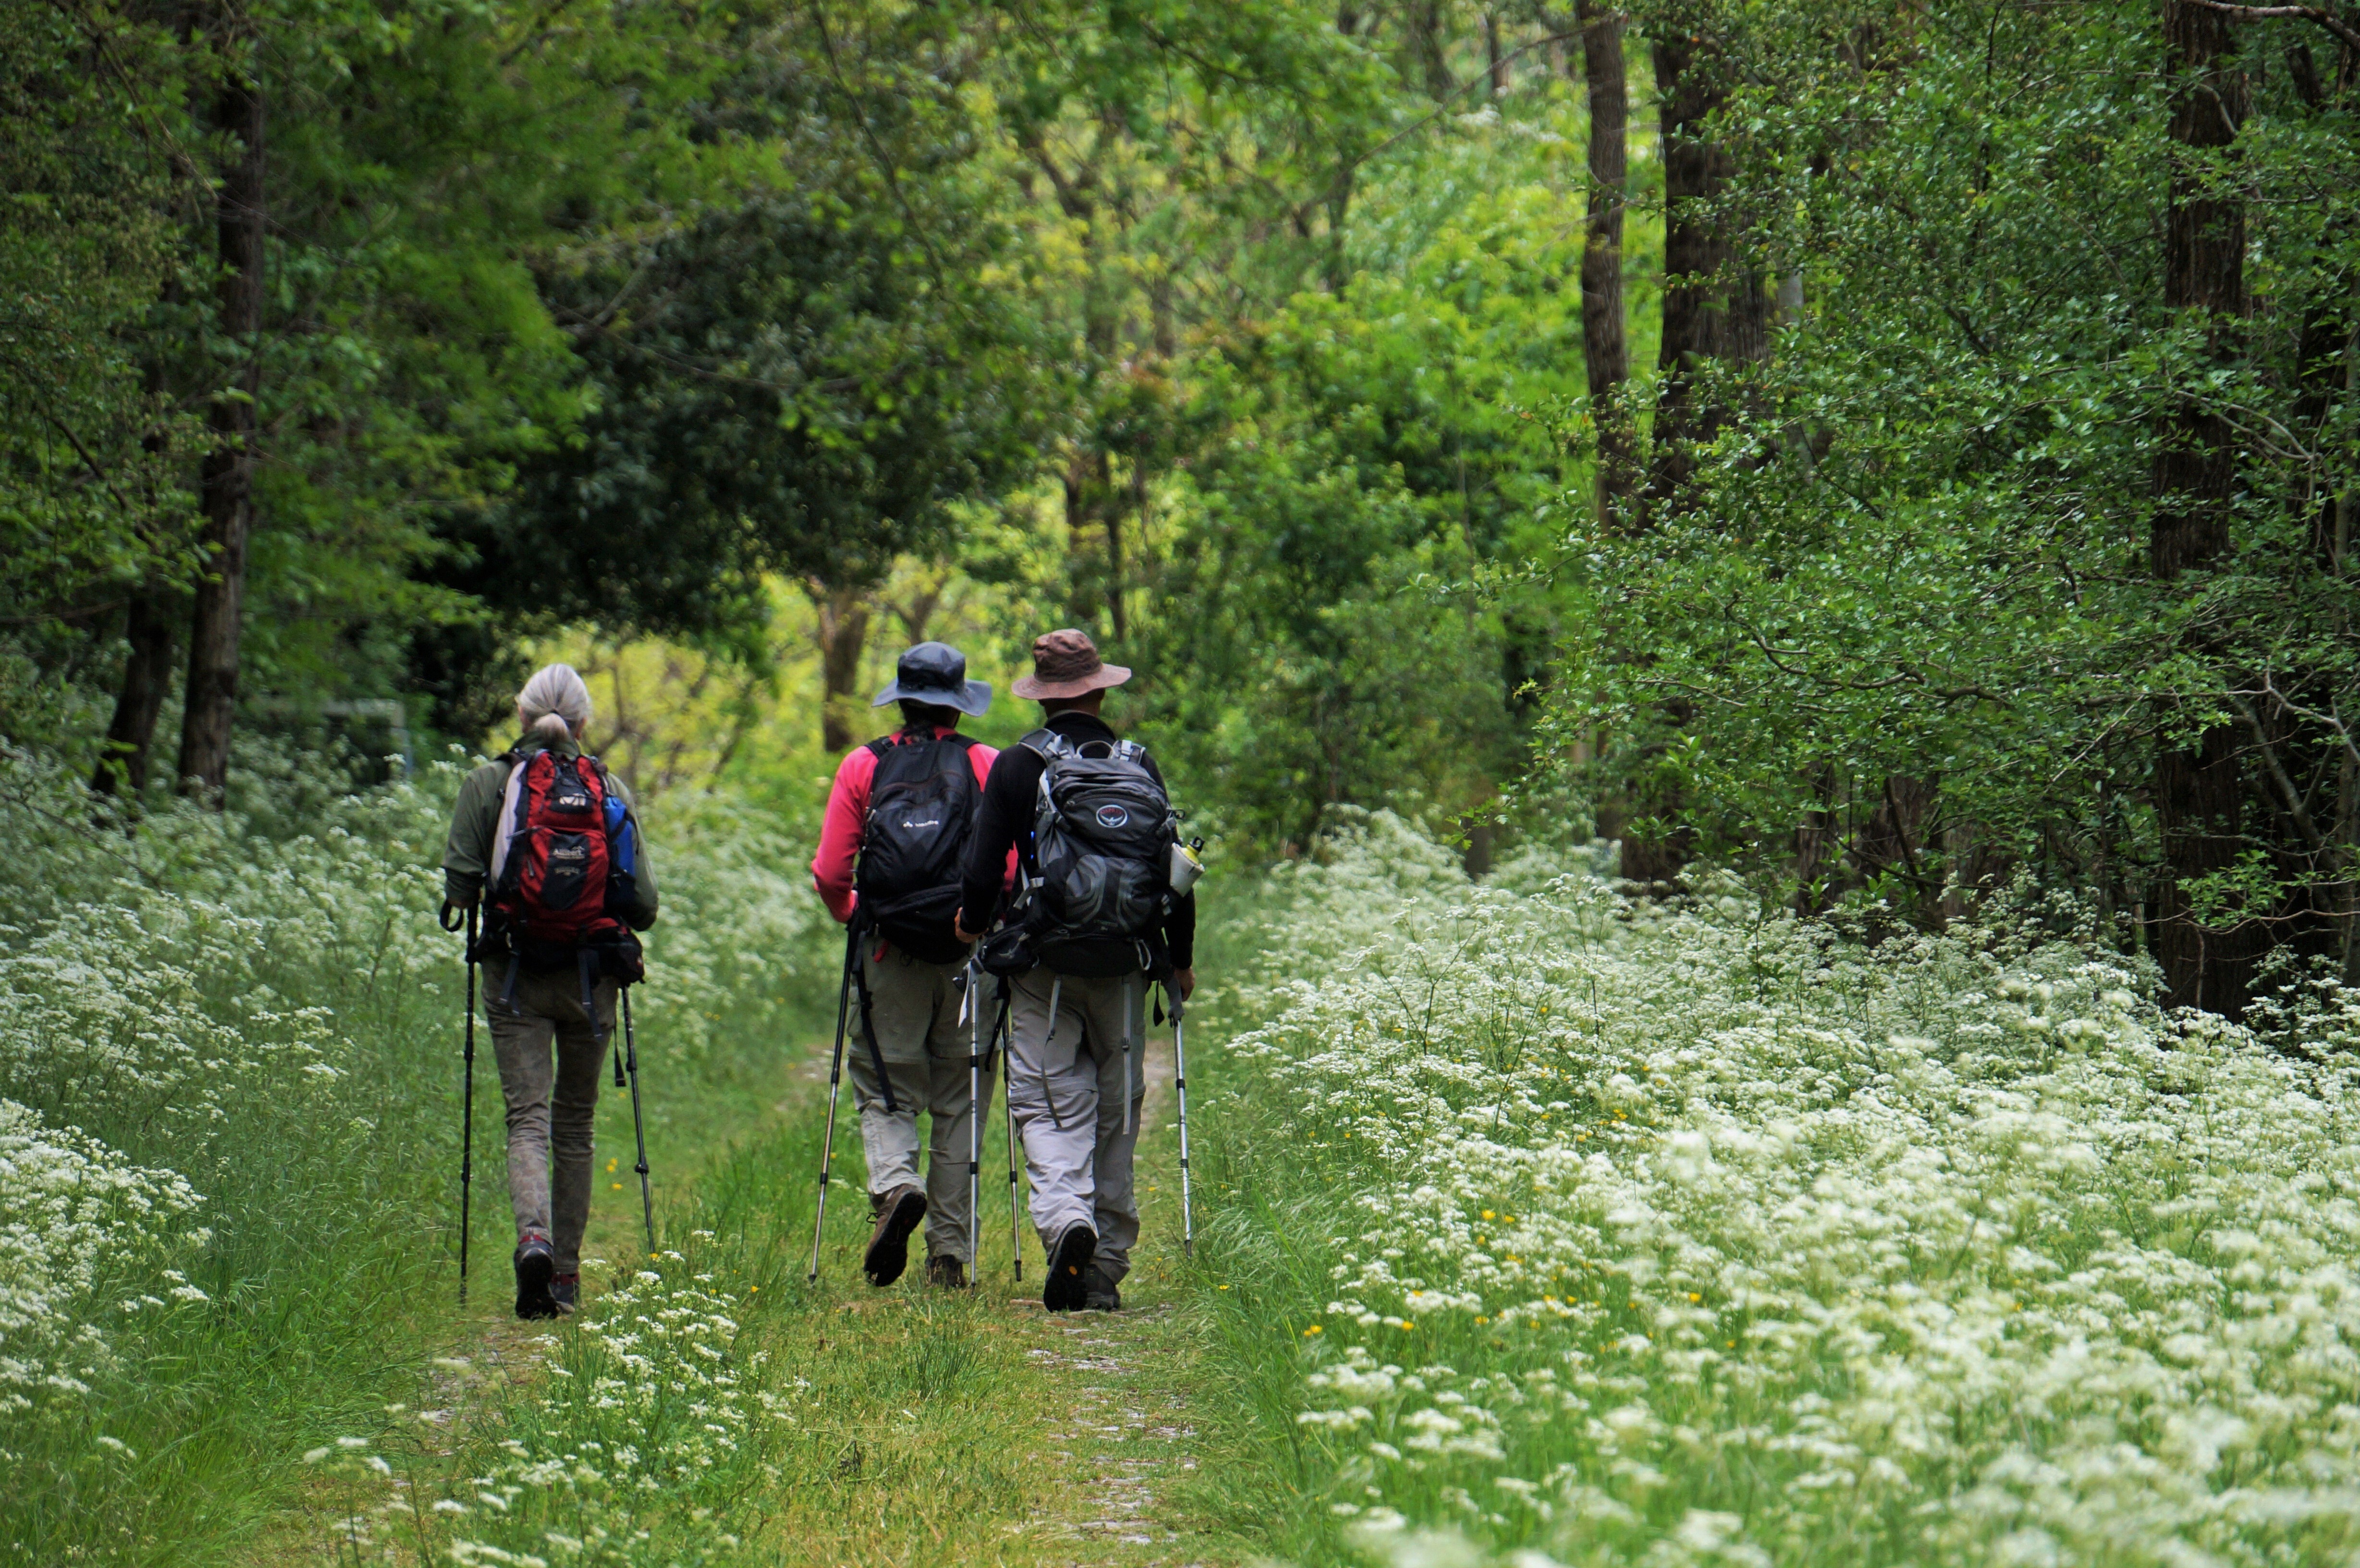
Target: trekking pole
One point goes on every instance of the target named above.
(1003, 1032)
(1180, 1081)
(639, 1129)
(974, 1112)
(466, 1099)
(835, 1086)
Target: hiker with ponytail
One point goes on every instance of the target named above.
(545, 842)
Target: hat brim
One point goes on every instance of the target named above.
(973, 697)
(1035, 689)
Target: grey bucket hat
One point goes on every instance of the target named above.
(935, 672)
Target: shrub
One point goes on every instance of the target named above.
(1703, 1235)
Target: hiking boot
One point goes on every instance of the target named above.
(565, 1290)
(948, 1273)
(898, 1214)
(536, 1266)
(1068, 1261)
(1099, 1294)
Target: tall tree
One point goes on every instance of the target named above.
(1716, 303)
(227, 486)
(1605, 348)
(1716, 308)
(2200, 783)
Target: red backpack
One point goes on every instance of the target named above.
(552, 887)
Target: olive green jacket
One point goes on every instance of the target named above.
(475, 822)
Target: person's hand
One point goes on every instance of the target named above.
(1186, 979)
(958, 928)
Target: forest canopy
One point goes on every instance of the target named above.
(1889, 448)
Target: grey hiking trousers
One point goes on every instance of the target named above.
(552, 1098)
(914, 1008)
(1077, 1118)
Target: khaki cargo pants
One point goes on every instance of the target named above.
(915, 1007)
(552, 1095)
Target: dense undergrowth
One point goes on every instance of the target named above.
(228, 1130)
(1536, 1226)
(1579, 1231)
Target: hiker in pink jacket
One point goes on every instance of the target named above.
(889, 850)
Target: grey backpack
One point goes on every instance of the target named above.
(1102, 836)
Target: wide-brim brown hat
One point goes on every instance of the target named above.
(1066, 664)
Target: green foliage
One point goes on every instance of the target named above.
(798, 379)
(93, 492)
(1922, 551)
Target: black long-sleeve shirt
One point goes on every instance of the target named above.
(1009, 798)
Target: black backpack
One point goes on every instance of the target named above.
(1102, 836)
(921, 803)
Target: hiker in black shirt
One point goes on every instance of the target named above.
(1076, 1063)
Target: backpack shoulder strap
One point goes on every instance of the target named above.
(512, 807)
(1047, 745)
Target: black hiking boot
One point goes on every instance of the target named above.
(947, 1273)
(1099, 1294)
(1068, 1260)
(565, 1290)
(536, 1266)
(898, 1214)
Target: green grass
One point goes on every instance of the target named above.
(277, 1021)
(968, 1428)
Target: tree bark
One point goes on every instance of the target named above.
(1605, 345)
(147, 676)
(2200, 788)
(227, 478)
(1428, 49)
(1716, 304)
(1715, 307)
(843, 636)
(1116, 624)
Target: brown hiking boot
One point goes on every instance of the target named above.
(898, 1214)
(948, 1273)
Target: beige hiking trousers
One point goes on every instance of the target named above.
(914, 1008)
(552, 1098)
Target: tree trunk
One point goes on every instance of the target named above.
(843, 635)
(1494, 66)
(2200, 788)
(147, 676)
(1605, 347)
(1422, 30)
(1335, 263)
(227, 479)
(1716, 305)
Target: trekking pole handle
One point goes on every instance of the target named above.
(451, 917)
